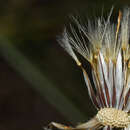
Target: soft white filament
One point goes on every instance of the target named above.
(108, 53)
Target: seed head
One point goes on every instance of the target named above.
(113, 117)
(108, 52)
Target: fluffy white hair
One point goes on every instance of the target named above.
(108, 52)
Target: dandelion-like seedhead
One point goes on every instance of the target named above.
(108, 53)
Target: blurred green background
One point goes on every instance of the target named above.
(39, 82)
